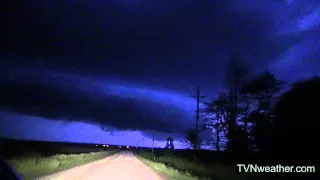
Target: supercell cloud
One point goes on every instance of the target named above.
(131, 65)
(68, 98)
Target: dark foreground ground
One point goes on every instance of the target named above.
(43, 158)
(11, 147)
(222, 165)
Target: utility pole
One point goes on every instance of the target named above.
(152, 141)
(198, 97)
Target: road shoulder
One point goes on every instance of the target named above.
(165, 172)
(80, 170)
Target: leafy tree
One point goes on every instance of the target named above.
(244, 113)
(296, 125)
(224, 112)
(169, 145)
(262, 88)
(260, 131)
(193, 139)
(216, 118)
(237, 76)
(260, 91)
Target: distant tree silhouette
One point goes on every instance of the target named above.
(216, 119)
(169, 145)
(193, 139)
(296, 127)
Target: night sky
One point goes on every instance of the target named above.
(114, 71)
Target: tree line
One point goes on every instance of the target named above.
(254, 113)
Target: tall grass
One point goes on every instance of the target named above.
(201, 170)
(32, 166)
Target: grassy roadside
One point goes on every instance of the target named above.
(164, 171)
(33, 166)
(178, 168)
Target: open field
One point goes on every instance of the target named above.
(33, 166)
(178, 168)
(188, 164)
(166, 171)
(33, 159)
(11, 147)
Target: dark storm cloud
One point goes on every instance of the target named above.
(70, 104)
(122, 38)
(110, 104)
(165, 44)
(158, 39)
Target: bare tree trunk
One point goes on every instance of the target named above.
(218, 136)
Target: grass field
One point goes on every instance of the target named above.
(165, 171)
(31, 166)
(177, 168)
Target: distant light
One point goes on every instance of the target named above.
(128, 147)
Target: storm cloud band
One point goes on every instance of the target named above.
(94, 104)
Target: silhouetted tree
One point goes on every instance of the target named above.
(260, 131)
(296, 126)
(193, 139)
(223, 114)
(259, 92)
(236, 78)
(245, 113)
(169, 145)
(216, 119)
(262, 88)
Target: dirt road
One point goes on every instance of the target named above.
(121, 166)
